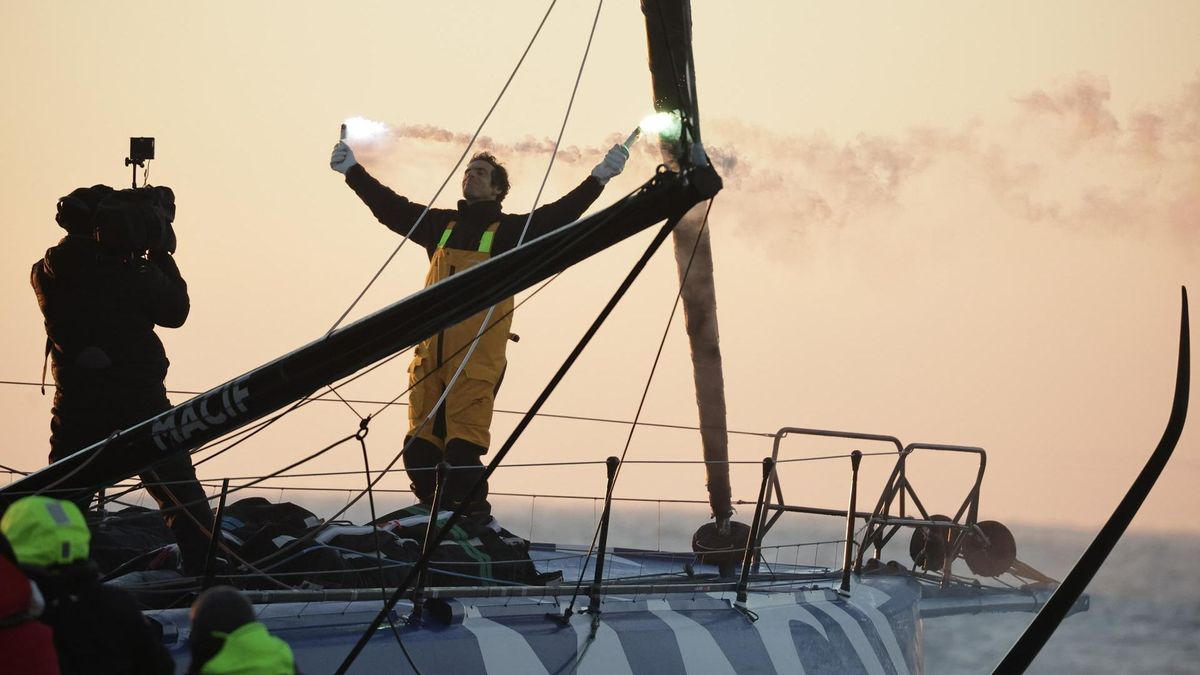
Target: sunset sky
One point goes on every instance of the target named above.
(950, 222)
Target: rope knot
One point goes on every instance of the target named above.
(363, 428)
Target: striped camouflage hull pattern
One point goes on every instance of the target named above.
(876, 630)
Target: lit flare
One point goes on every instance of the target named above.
(363, 130)
(667, 125)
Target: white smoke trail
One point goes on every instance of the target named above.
(1058, 157)
(379, 145)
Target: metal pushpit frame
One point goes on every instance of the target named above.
(882, 524)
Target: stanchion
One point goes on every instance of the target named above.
(594, 591)
(855, 459)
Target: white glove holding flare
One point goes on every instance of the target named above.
(612, 165)
(342, 158)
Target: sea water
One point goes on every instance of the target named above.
(1144, 615)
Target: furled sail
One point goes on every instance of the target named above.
(668, 30)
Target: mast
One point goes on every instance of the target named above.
(669, 38)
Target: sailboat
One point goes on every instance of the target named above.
(723, 607)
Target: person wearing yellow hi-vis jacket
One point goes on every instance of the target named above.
(226, 638)
(457, 239)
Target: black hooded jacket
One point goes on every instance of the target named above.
(98, 629)
(471, 220)
(100, 315)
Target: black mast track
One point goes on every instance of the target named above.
(672, 71)
(399, 326)
(673, 78)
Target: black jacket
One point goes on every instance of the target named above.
(100, 315)
(399, 214)
(98, 629)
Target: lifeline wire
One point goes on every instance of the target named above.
(452, 171)
(624, 203)
(209, 530)
(484, 326)
(254, 429)
(396, 401)
(645, 391)
(343, 400)
(182, 506)
(361, 436)
(456, 352)
(286, 469)
(83, 465)
(458, 512)
(396, 458)
(446, 181)
(246, 434)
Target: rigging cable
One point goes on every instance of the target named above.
(452, 171)
(295, 464)
(612, 213)
(251, 434)
(83, 465)
(361, 437)
(212, 534)
(396, 402)
(503, 451)
(683, 100)
(645, 391)
(182, 506)
(305, 401)
(348, 404)
(9, 469)
(484, 326)
(246, 434)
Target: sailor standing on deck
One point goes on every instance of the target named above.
(455, 240)
(101, 302)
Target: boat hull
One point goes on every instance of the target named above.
(814, 630)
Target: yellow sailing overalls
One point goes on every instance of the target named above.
(468, 407)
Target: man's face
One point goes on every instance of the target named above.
(477, 182)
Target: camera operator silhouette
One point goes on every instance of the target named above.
(102, 290)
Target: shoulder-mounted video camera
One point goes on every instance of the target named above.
(136, 220)
(125, 223)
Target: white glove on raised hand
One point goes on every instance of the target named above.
(612, 165)
(342, 158)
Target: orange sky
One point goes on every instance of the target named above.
(944, 221)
